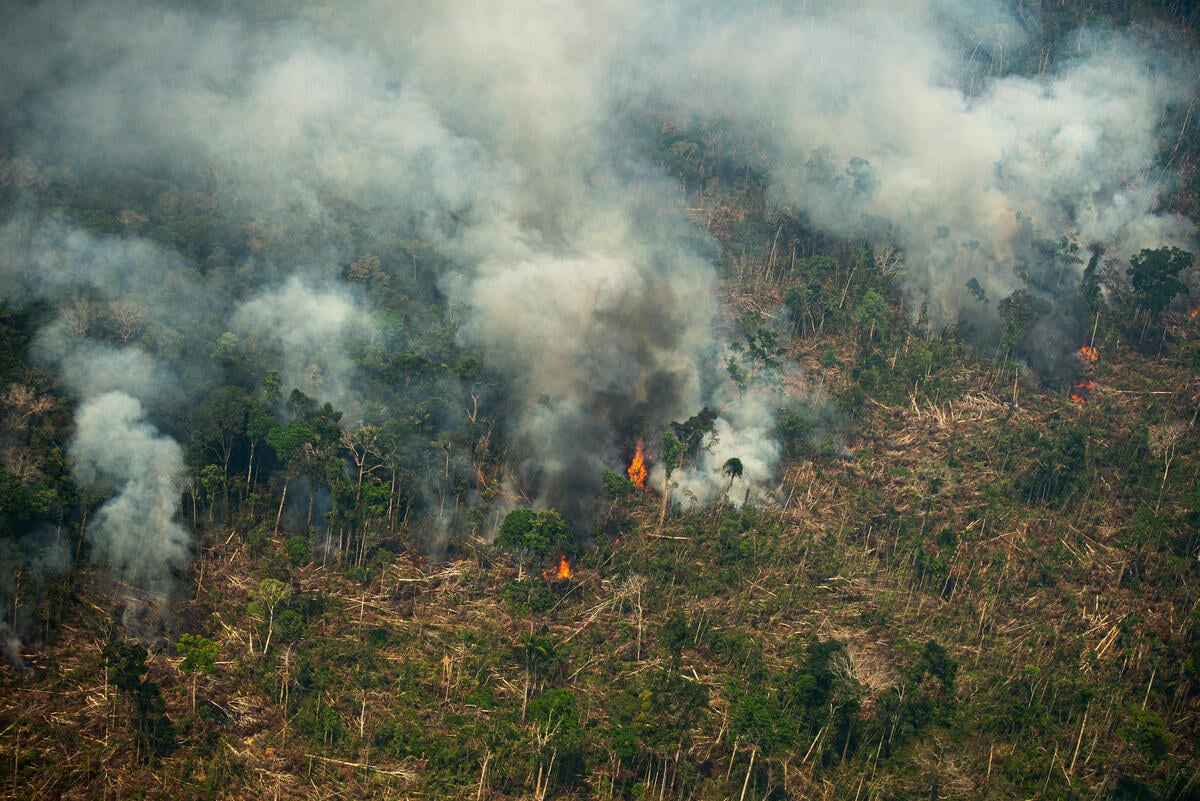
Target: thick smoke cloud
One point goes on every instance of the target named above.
(103, 291)
(313, 332)
(509, 139)
(884, 122)
(136, 533)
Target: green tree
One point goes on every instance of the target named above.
(1155, 277)
(976, 289)
(199, 656)
(298, 550)
(616, 485)
(802, 301)
(1144, 729)
(215, 425)
(367, 270)
(289, 443)
(126, 664)
(733, 470)
(757, 719)
(1021, 311)
(873, 312)
(673, 452)
(271, 593)
(530, 535)
(692, 432)
(756, 358)
(673, 636)
(260, 419)
(1089, 285)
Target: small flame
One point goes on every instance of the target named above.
(562, 574)
(1194, 312)
(637, 468)
(1079, 392)
(1089, 353)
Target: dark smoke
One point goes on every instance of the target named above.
(500, 147)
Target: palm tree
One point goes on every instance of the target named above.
(733, 469)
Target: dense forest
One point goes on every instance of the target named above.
(428, 401)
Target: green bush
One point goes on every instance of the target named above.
(298, 550)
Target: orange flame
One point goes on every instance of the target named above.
(1079, 392)
(562, 574)
(1194, 312)
(1089, 353)
(637, 468)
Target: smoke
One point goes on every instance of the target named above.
(313, 336)
(135, 533)
(502, 149)
(27, 562)
(745, 431)
(901, 124)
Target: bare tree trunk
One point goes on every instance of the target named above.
(250, 467)
(749, 768)
(282, 499)
(270, 629)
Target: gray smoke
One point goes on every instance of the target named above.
(105, 294)
(884, 122)
(136, 532)
(509, 139)
(313, 332)
(25, 564)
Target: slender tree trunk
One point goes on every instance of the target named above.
(250, 466)
(391, 510)
(487, 757)
(1166, 470)
(282, 499)
(749, 768)
(270, 629)
(662, 515)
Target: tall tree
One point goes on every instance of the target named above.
(215, 425)
(530, 535)
(733, 470)
(199, 656)
(1155, 277)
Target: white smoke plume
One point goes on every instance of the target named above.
(897, 123)
(510, 140)
(745, 431)
(313, 332)
(136, 532)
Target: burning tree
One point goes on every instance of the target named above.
(637, 468)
